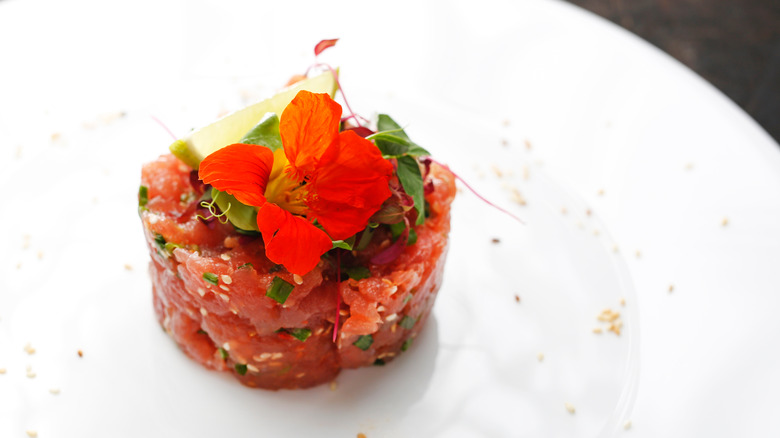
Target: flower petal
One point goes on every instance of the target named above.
(350, 185)
(241, 170)
(309, 125)
(291, 240)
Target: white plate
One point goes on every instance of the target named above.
(573, 113)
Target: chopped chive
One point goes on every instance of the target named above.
(223, 353)
(365, 238)
(280, 289)
(211, 278)
(169, 246)
(379, 362)
(407, 322)
(363, 342)
(300, 334)
(159, 240)
(201, 332)
(408, 298)
(246, 266)
(143, 196)
(357, 272)
(412, 237)
(397, 229)
(407, 343)
(241, 369)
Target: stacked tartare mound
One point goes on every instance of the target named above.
(233, 307)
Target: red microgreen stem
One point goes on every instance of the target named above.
(164, 127)
(482, 198)
(338, 294)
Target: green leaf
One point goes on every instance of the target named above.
(223, 353)
(363, 342)
(357, 272)
(365, 238)
(393, 141)
(408, 298)
(397, 229)
(412, 237)
(143, 196)
(160, 241)
(411, 179)
(344, 244)
(246, 266)
(407, 322)
(300, 334)
(240, 215)
(407, 343)
(211, 278)
(265, 133)
(386, 123)
(279, 290)
(241, 369)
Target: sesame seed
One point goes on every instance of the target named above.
(32, 433)
(224, 256)
(388, 282)
(601, 192)
(80, 353)
(224, 297)
(504, 142)
(128, 267)
(201, 292)
(495, 240)
(380, 308)
(261, 357)
(223, 287)
(540, 357)
(226, 279)
(29, 349)
(391, 317)
(615, 249)
(203, 311)
(725, 221)
(152, 219)
(393, 290)
(333, 385)
(627, 425)
(226, 346)
(563, 210)
(527, 144)
(54, 391)
(518, 197)
(623, 302)
(2, 370)
(638, 254)
(40, 255)
(569, 407)
(361, 435)
(517, 298)
(276, 356)
(252, 368)
(297, 279)
(587, 212)
(31, 374)
(671, 288)
(597, 330)
(299, 375)
(343, 312)
(393, 328)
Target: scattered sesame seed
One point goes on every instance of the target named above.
(725, 221)
(596, 232)
(299, 375)
(203, 311)
(517, 298)
(31, 374)
(128, 267)
(361, 435)
(29, 349)
(671, 288)
(80, 353)
(540, 357)
(380, 308)
(563, 210)
(333, 385)
(201, 292)
(627, 425)
(615, 248)
(224, 297)
(623, 302)
(393, 328)
(224, 256)
(393, 290)
(32, 433)
(276, 356)
(689, 166)
(297, 279)
(262, 357)
(226, 346)
(569, 407)
(391, 317)
(226, 279)
(587, 212)
(638, 254)
(2, 370)
(526, 173)
(223, 287)
(495, 240)
(597, 330)
(343, 312)
(518, 198)
(601, 192)
(505, 123)
(19, 265)
(40, 255)
(252, 368)
(504, 142)
(388, 281)
(54, 391)
(527, 144)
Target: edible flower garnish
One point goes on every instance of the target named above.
(323, 185)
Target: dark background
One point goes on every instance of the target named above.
(733, 44)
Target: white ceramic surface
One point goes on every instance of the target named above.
(641, 183)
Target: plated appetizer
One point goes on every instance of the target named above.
(290, 240)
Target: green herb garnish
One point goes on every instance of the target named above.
(407, 322)
(379, 362)
(265, 133)
(411, 179)
(407, 343)
(143, 196)
(160, 241)
(246, 266)
(408, 298)
(241, 369)
(201, 332)
(412, 237)
(300, 334)
(397, 229)
(211, 278)
(363, 342)
(223, 353)
(280, 289)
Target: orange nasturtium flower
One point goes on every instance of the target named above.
(337, 178)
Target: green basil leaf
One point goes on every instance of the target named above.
(265, 133)
(411, 179)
